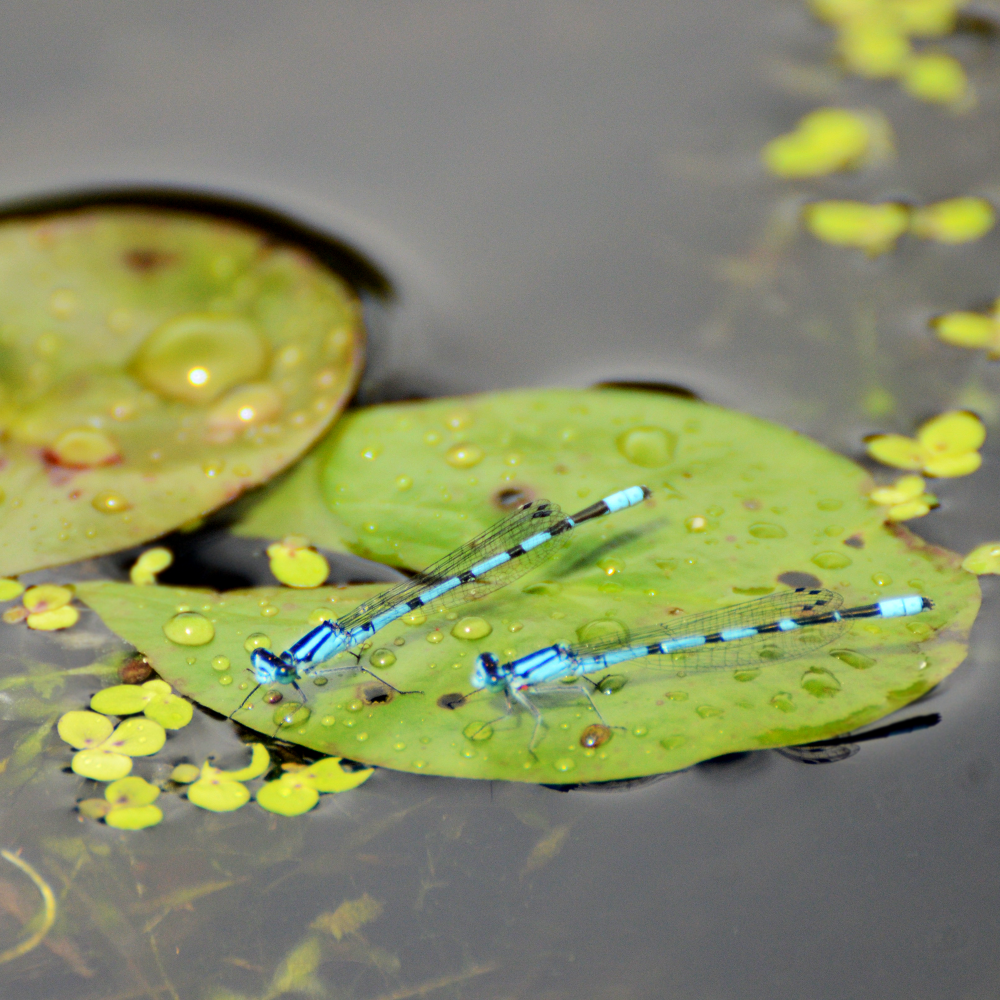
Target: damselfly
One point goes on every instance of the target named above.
(759, 632)
(501, 554)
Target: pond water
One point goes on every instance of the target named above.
(557, 194)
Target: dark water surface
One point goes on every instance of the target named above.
(560, 193)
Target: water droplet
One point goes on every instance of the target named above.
(647, 446)
(220, 663)
(673, 742)
(829, 504)
(195, 358)
(709, 711)
(63, 303)
(881, 579)
(919, 630)
(853, 659)
(515, 627)
(320, 681)
(355, 705)
(110, 503)
(415, 618)
(244, 406)
(459, 420)
(436, 636)
(595, 735)
(225, 679)
(418, 764)
(189, 629)
(464, 456)
(612, 683)
(601, 628)
(328, 720)
(478, 732)
(765, 530)
(512, 459)
(273, 697)
(269, 611)
(256, 640)
(564, 764)
(291, 714)
(191, 661)
(820, 683)
(471, 628)
(382, 658)
(744, 676)
(696, 523)
(676, 695)
(403, 483)
(84, 448)
(611, 566)
(640, 731)
(831, 560)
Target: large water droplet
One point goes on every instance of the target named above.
(611, 683)
(189, 629)
(382, 658)
(220, 663)
(647, 446)
(84, 448)
(415, 618)
(471, 628)
(611, 566)
(464, 456)
(831, 560)
(196, 357)
(709, 711)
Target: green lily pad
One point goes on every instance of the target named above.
(154, 364)
(217, 791)
(101, 764)
(668, 721)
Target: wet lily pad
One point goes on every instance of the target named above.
(668, 721)
(154, 364)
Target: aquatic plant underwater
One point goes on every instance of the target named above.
(161, 368)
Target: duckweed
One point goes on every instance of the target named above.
(905, 499)
(945, 446)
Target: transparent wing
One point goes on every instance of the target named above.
(757, 650)
(529, 520)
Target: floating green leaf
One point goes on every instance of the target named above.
(224, 791)
(155, 364)
(154, 698)
(297, 791)
(84, 729)
(107, 755)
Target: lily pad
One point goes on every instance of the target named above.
(154, 364)
(668, 721)
(154, 699)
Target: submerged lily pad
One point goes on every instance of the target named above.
(155, 364)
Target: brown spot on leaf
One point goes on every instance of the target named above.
(146, 259)
(855, 541)
(512, 497)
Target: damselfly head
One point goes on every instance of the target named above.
(270, 669)
(486, 672)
